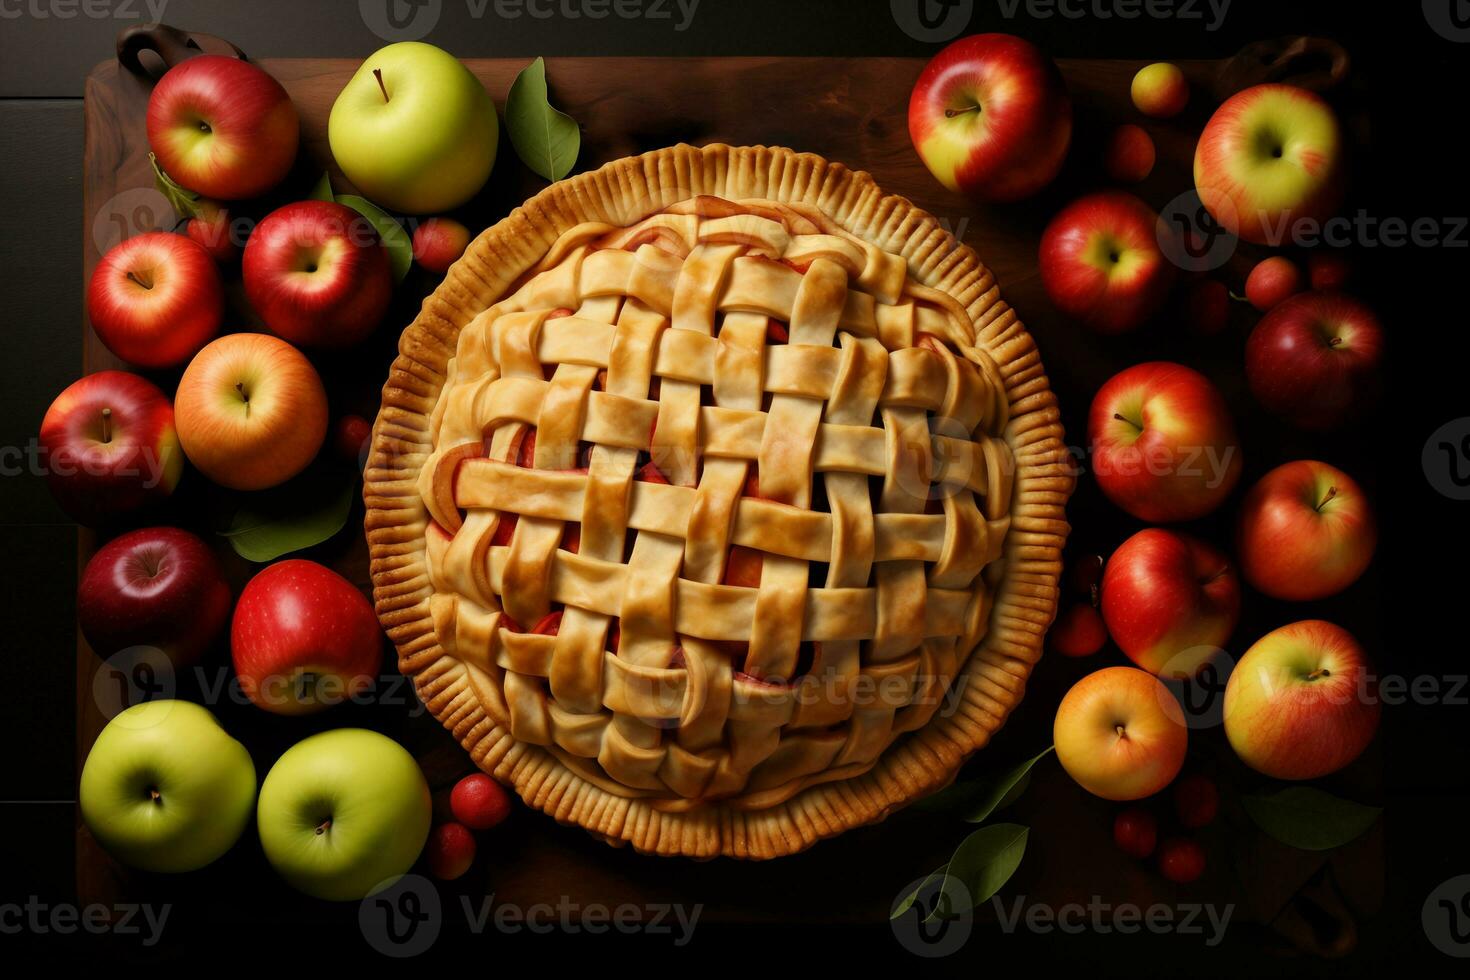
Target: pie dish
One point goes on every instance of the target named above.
(716, 502)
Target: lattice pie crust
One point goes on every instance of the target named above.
(716, 502)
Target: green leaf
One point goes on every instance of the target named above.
(1005, 790)
(983, 863)
(294, 516)
(323, 189)
(547, 139)
(395, 239)
(1308, 818)
(913, 896)
(186, 203)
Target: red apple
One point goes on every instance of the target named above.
(1120, 734)
(1170, 601)
(1206, 306)
(1272, 282)
(1305, 532)
(110, 446)
(438, 242)
(159, 587)
(1302, 702)
(1163, 443)
(252, 411)
(450, 851)
(350, 438)
(303, 638)
(1129, 156)
(1268, 164)
(479, 802)
(1160, 90)
(155, 299)
(990, 117)
(1101, 262)
(1181, 860)
(1078, 631)
(1328, 270)
(318, 274)
(1136, 832)
(215, 232)
(1314, 359)
(223, 127)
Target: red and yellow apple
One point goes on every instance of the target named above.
(1272, 281)
(110, 446)
(252, 412)
(438, 242)
(222, 127)
(1164, 446)
(1269, 158)
(1302, 702)
(1305, 532)
(318, 274)
(1170, 601)
(991, 118)
(1120, 734)
(1101, 262)
(303, 638)
(155, 299)
(1160, 90)
(1314, 359)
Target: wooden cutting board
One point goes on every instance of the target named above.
(852, 110)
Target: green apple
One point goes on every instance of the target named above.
(343, 813)
(414, 130)
(165, 788)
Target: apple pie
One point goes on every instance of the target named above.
(716, 502)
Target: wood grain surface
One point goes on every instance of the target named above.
(851, 110)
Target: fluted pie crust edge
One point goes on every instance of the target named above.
(990, 683)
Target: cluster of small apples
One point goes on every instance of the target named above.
(990, 117)
(1180, 857)
(164, 787)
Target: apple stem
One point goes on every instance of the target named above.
(324, 826)
(378, 74)
(244, 396)
(154, 795)
(1319, 672)
(145, 284)
(1122, 732)
(951, 113)
(1331, 492)
(107, 425)
(1333, 341)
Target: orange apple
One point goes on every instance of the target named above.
(251, 411)
(1306, 531)
(1160, 90)
(1301, 703)
(1120, 734)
